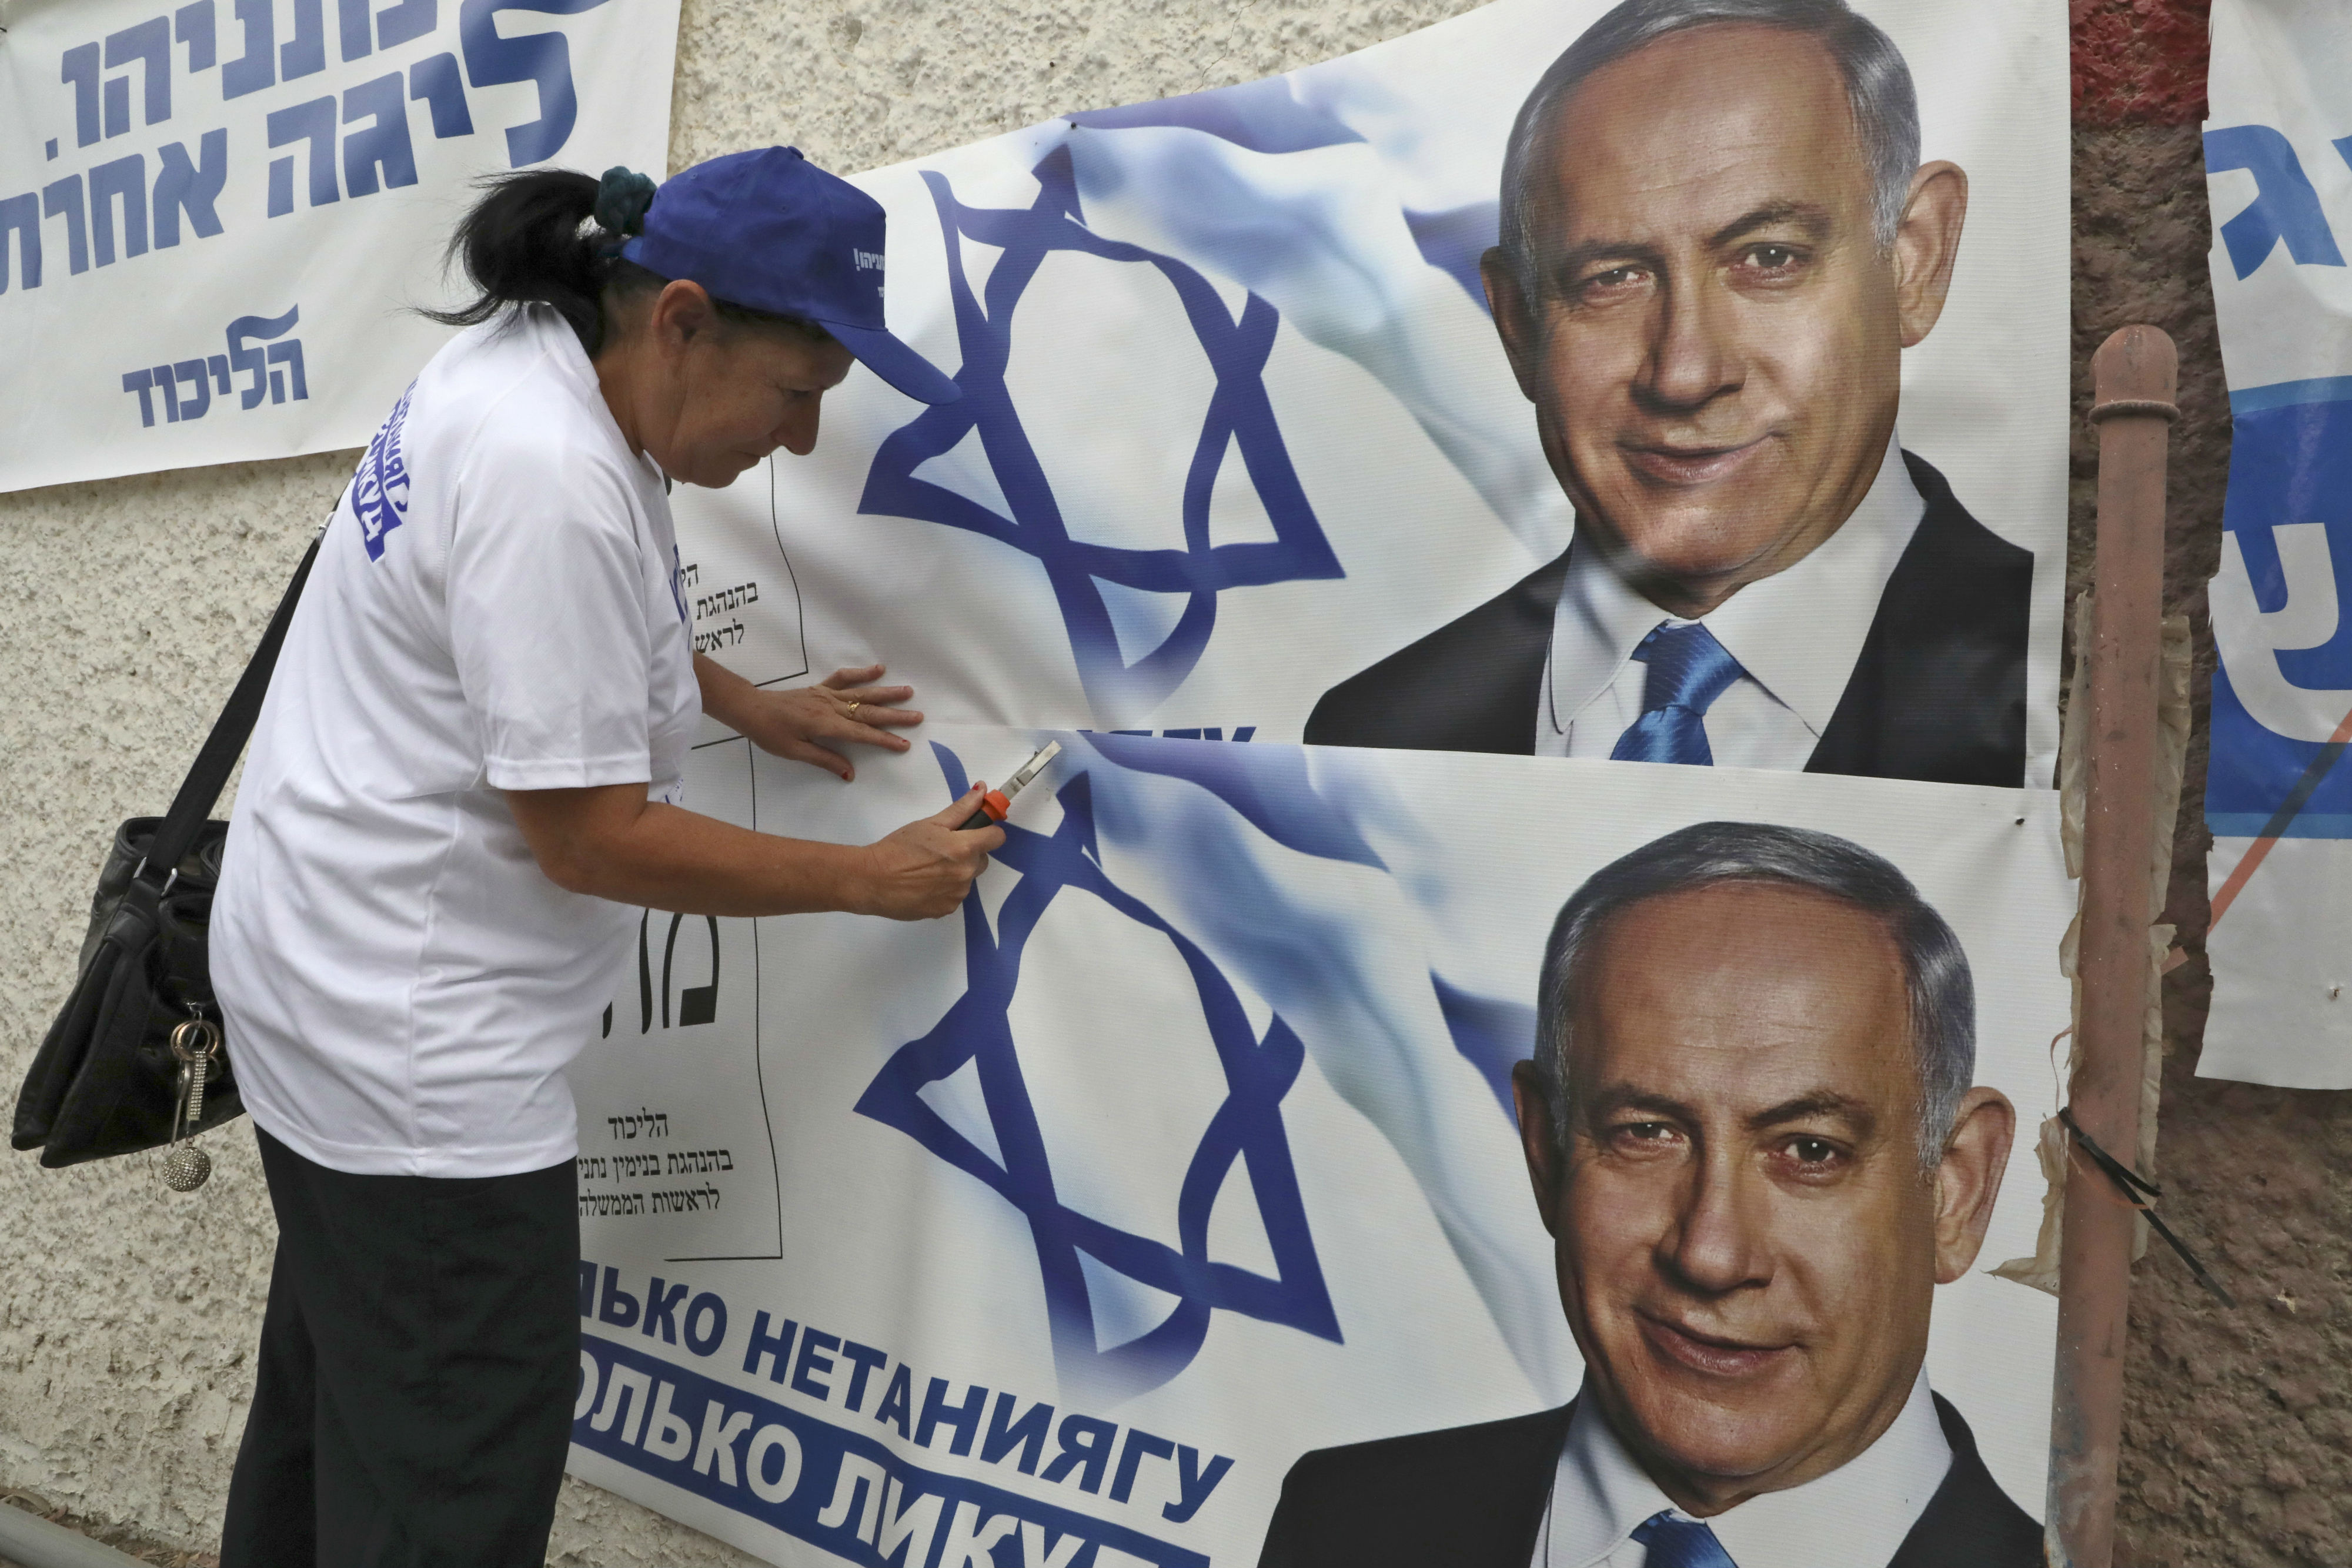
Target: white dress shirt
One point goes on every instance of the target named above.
(1797, 635)
(1855, 1517)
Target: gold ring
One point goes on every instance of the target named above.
(851, 711)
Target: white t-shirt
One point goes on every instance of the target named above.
(495, 606)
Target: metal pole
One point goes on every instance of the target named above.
(35, 1542)
(2133, 377)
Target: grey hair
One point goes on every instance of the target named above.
(1941, 996)
(1877, 86)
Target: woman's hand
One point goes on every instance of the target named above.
(797, 724)
(924, 870)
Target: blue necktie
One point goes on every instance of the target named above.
(1681, 1542)
(1688, 670)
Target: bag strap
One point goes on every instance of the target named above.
(208, 775)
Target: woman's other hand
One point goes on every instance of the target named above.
(804, 724)
(924, 870)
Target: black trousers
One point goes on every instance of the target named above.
(419, 1354)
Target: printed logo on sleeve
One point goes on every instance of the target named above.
(380, 488)
(867, 260)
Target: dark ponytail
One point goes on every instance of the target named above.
(533, 239)
(553, 237)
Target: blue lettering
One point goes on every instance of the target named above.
(2284, 209)
(78, 69)
(193, 371)
(706, 1307)
(435, 80)
(618, 1308)
(814, 1361)
(1193, 1484)
(63, 199)
(1028, 1434)
(244, 357)
(193, 25)
(866, 1358)
(124, 179)
(21, 215)
(1138, 1444)
(257, 66)
(304, 54)
(315, 122)
(351, 20)
(190, 188)
(777, 1347)
(898, 1406)
(963, 1417)
(142, 382)
(1085, 1441)
(383, 144)
(409, 19)
(541, 59)
(148, 45)
(661, 1307)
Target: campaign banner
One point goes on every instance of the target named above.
(1060, 1230)
(1243, 448)
(215, 216)
(2278, 159)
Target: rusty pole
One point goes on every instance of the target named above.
(2133, 378)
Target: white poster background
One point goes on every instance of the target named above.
(732, 1158)
(1327, 192)
(2279, 145)
(349, 259)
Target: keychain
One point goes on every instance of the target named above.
(197, 1044)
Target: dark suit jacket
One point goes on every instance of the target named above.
(1938, 693)
(1474, 1498)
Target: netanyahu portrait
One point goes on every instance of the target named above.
(1752, 1133)
(1716, 239)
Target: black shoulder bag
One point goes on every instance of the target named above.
(134, 1060)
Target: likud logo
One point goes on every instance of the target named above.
(380, 488)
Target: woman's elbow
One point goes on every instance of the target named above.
(575, 835)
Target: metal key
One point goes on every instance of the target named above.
(196, 1042)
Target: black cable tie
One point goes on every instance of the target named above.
(2133, 1185)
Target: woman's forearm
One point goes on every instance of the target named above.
(611, 842)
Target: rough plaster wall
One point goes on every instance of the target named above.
(127, 1315)
(2237, 1445)
(126, 1318)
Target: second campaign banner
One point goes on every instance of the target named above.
(1190, 1147)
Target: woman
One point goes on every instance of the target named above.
(467, 772)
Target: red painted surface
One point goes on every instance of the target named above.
(2140, 61)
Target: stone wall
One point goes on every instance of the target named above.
(2237, 1445)
(127, 606)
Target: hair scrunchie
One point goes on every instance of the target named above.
(622, 198)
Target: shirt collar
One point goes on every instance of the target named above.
(1855, 1517)
(1598, 1494)
(1798, 633)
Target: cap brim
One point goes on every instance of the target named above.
(896, 363)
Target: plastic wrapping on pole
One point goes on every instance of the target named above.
(35, 1542)
(2133, 376)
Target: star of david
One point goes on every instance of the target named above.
(1247, 1126)
(1240, 417)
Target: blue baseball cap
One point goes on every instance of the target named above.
(770, 231)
